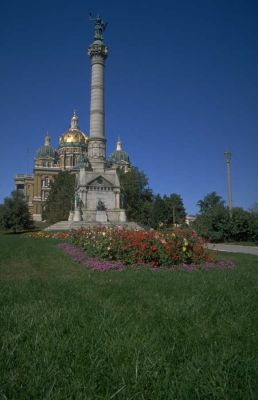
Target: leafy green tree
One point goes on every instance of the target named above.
(159, 212)
(175, 209)
(210, 201)
(254, 223)
(254, 208)
(214, 224)
(137, 196)
(243, 225)
(14, 213)
(61, 197)
(168, 210)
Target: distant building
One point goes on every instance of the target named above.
(189, 219)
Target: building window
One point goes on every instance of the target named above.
(45, 182)
(20, 188)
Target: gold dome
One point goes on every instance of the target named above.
(74, 135)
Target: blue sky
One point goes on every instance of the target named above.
(181, 88)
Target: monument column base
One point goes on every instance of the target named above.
(77, 216)
(71, 214)
(116, 215)
(101, 216)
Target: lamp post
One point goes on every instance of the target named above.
(227, 156)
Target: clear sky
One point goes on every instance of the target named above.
(181, 88)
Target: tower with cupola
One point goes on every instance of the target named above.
(72, 144)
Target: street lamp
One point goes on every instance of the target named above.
(227, 156)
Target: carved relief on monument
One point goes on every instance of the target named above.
(100, 182)
(96, 150)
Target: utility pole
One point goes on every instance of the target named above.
(227, 156)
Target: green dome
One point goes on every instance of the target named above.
(119, 155)
(46, 151)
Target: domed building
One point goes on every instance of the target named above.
(72, 144)
(71, 154)
(48, 162)
(119, 158)
(46, 154)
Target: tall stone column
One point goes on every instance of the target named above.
(97, 142)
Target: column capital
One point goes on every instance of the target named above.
(98, 50)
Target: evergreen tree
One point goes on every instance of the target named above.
(14, 213)
(61, 197)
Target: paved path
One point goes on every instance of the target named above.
(233, 248)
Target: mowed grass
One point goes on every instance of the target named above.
(70, 333)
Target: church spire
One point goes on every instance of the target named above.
(118, 144)
(47, 140)
(74, 121)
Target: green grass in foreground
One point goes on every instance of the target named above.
(70, 333)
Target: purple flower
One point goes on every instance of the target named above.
(223, 264)
(93, 263)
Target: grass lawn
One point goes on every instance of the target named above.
(70, 333)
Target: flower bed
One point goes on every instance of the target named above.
(106, 249)
(93, 263)
(142, 247)
(137, 247)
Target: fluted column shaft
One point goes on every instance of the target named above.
(97, 141)
(97, 112)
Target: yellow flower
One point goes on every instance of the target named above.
(184, 248)
(173, 234)
(185, 242)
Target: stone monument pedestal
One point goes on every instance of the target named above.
(71, 214)
(101, 216)
(77, 216)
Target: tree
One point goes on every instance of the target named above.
(137, 196)
(168, 210)
(61, 197)
(210, 201)
(243, 225)
(14, 213)
(214, 224)
(254, 208)
(175, 209)
(213, 221)
(159, 212)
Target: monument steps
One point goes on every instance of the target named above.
(69, 225)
